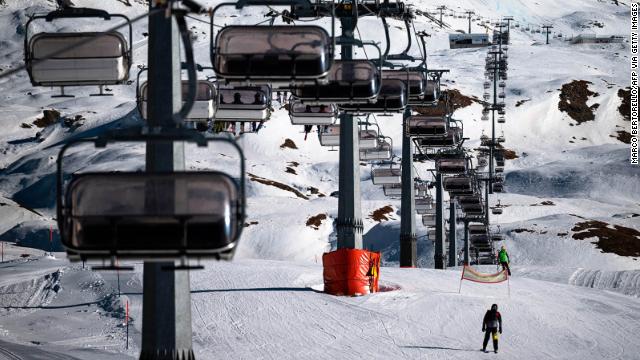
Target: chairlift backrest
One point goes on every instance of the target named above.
(77, 58)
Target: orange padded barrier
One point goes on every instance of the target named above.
(351, 272)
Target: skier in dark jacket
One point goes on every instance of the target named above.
(491, 325)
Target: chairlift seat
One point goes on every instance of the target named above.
(451, 166)
(103, 60)
(480, 239)
(272, 53)
(451, 139)
(392, 190)
(301, 114)
(431, 95)
(477, 229)
(459, 183)
(330, 135)
(243, 104)
(348, 81)
(414, 81)
(204, 106)
(142, 214)
(498, 187)
(497, 237)
(386, 175)
(429, 220)
(473, 209)
(391, 98)
(368, 139)
(496, 211)
(382, 151)
(421, 126)
(423, 205)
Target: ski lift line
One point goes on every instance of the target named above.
(202, 21)
(364, 49)
(78, 44)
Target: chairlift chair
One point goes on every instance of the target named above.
(203, 109)
(496, 210)
(368, 139)
(240, 104)
(349, 81)
(424, 206)
(304, 114)
(77, 58)
(415, 81)
(279, 55)
(451, 166)
(425, 126)
(392, 97)
(457, 184)
(429, 220)
(386, 175)
(477, 229)
(143, 215)
(501, 120)
(453, 137)
(392, 190)
(497, 237)
(329, 135)
(431, 95)
(476, 209)
(382, 151)
(498, 187)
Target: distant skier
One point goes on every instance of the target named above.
(503, 258)
(491, 325)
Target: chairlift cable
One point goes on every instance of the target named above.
(78, 44)
(364, 49)
(202, 21)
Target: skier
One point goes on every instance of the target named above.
(491, 325)
(503, 258)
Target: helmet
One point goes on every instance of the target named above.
(503, 248)
(494, 307)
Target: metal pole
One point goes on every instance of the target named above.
(441, 8)
(452, 233)
(439, 248)
(469, 13)
(166, 312)
(466, 242)
(408, 250)
(349, 212)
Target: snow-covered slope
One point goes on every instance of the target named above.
(581, 169)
